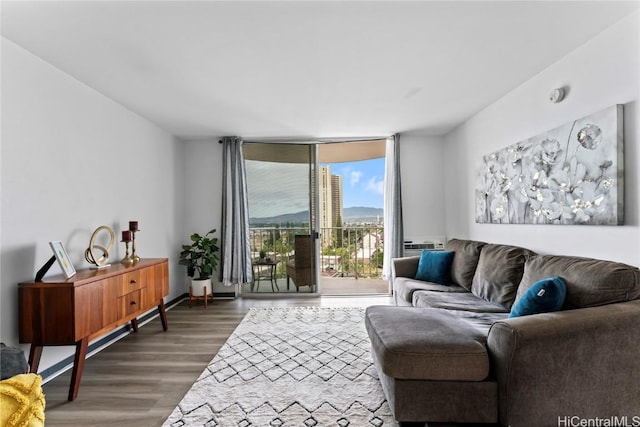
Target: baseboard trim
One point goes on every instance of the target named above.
(223, 295)
(65, 364)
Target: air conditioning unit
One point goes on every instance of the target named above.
(415, 246)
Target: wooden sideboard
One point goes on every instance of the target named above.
(75, 311)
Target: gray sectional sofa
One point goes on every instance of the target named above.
(452, 354)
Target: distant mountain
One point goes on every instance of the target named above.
(362, 212)
(302, 217)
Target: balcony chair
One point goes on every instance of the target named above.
(300, 268)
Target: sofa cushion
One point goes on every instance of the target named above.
(404, 288)
(590, 282)
(499, 272)
(465, 260)
(481, 321)
(435, 266)
(405, 266)
(544, 296)
(456, 301)
(426, 344)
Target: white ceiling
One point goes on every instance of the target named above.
(305, 69)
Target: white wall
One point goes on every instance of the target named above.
(73, 160)
(422, 175)
(203, 196)
(599, 74)
(422, 188)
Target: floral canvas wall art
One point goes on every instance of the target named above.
(572, 174)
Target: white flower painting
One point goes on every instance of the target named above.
(569, 175)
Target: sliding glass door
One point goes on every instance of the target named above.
(351, 219)
(280, 180)
(316, 217)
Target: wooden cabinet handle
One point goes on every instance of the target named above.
(133, 282)
(133, 303)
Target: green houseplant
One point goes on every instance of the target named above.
(201, 260)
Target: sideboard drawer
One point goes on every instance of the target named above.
(132, 281)
(131, 303)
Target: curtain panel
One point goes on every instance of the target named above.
(393, 230)
(236, 251)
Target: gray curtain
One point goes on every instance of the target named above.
(236, 252)
(393, 231)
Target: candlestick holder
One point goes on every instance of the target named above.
(134, 256)
(127, 260)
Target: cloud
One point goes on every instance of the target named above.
(375, 185)
(355, 177)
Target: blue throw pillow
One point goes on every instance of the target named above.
(435, 266)
(544, 296)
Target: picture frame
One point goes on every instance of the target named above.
(63, 258)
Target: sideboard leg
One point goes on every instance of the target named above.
(134, 324)
(78, 366)
(163, 315)
(34, 358)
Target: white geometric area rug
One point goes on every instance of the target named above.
(289, 367)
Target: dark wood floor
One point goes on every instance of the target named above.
(140, 379)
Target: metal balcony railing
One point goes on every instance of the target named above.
(349, 251)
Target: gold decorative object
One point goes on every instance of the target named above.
(133, 227)
(126, 238)
(90, 252)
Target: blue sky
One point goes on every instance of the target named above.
(280, 188)
(362, 182)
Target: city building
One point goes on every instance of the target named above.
(330, 202)
(336, 201)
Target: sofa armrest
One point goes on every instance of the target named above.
(404, 267)
(588, 357)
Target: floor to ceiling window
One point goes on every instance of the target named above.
(281, 217)
(351, 176)
(316, 217)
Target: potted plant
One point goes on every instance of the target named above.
(201, 260)
(262, 254)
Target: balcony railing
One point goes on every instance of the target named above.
(349, 251)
